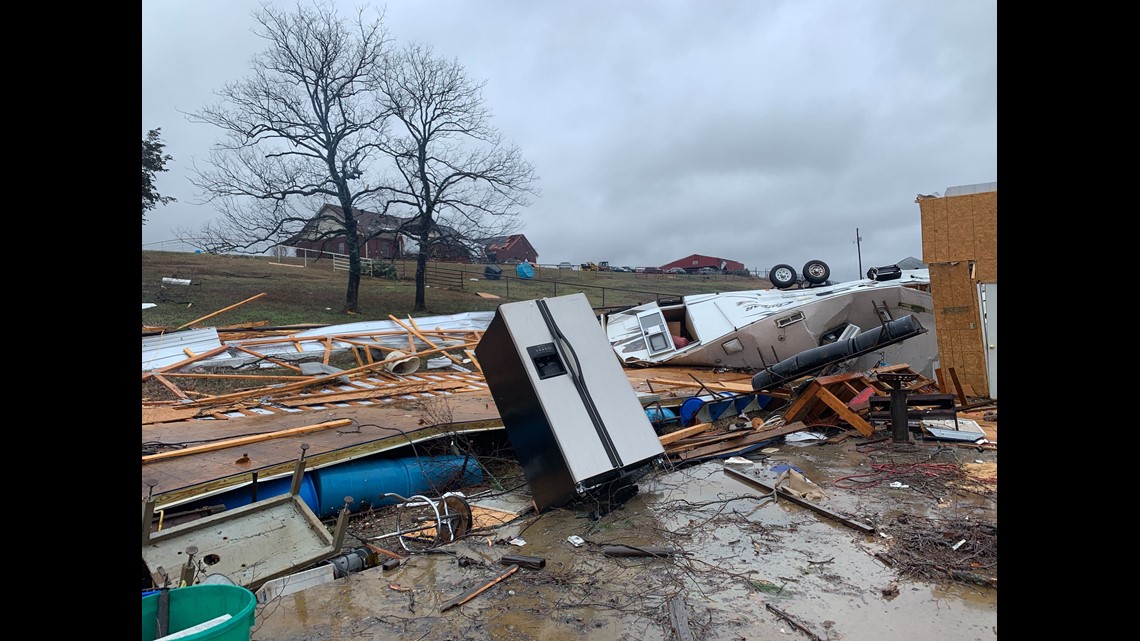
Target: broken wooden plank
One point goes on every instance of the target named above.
(245, 440)
(840, 408)
(803, 403)
(783, 493)
(962, 399)
(414, 329)
(683, 433)
(279, 363)
(170, 386)
(750, 437)
(471, 594)
(715, 387)
(224, 309)
(679, 618)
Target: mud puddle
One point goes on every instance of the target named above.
(743, 562)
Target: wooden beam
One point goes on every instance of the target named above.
(801, 404)
(958, 387)
(170, 386)
(785, 494)
(738, 388)
(246, 440)
(846, 414)
(275, 361)
(180, 364)
(471, 594)
(315, 380)
(225, 309)
(680, 434)
(416, 330)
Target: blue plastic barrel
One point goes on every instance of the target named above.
(660, 415)
(365, 480)
(265, 489)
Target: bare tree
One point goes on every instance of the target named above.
(302, 129)
(453, 170)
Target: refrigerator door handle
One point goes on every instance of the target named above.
(574, 367)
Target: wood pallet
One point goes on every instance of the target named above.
(846, 396)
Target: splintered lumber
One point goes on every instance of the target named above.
(474, 592)
(785, 494)
(305, 381)
(679, 618)
(707, 441)
(819, 391)
(684, 433)
(739, 388)
(245, 440)
(414, 329)
(958, 387)
(170, 386)
(224, 309)
(747, 438)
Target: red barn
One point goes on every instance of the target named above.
(693, 262)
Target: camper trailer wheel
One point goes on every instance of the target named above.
(782, 276)
(816, 272)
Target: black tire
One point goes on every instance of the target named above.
(816, 272)
(782, 276)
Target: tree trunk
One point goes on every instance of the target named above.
(352, 295)
(421, 279)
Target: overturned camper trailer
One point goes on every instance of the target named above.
(759, 328)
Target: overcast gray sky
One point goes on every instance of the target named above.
(763, 131)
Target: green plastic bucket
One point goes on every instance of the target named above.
(196, 604)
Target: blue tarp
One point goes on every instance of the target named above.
(524, 270)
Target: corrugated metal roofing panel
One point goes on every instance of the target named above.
(167, 349)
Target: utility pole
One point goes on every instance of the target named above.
(859, 251)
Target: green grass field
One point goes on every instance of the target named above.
(294, 291)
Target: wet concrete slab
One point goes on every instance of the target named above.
(743, 561)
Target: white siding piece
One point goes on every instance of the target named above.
(166, 349)
(979, 188)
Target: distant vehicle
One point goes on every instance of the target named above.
(676, 270)
(652, 270)
(624, 268)
(639, 270)
(565, 265)
(706, 270)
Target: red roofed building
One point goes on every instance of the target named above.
(693, 262)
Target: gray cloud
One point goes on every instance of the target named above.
(764, 132)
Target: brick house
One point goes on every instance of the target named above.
(509, 249)
(321, 233)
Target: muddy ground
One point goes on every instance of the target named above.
(746, 565)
